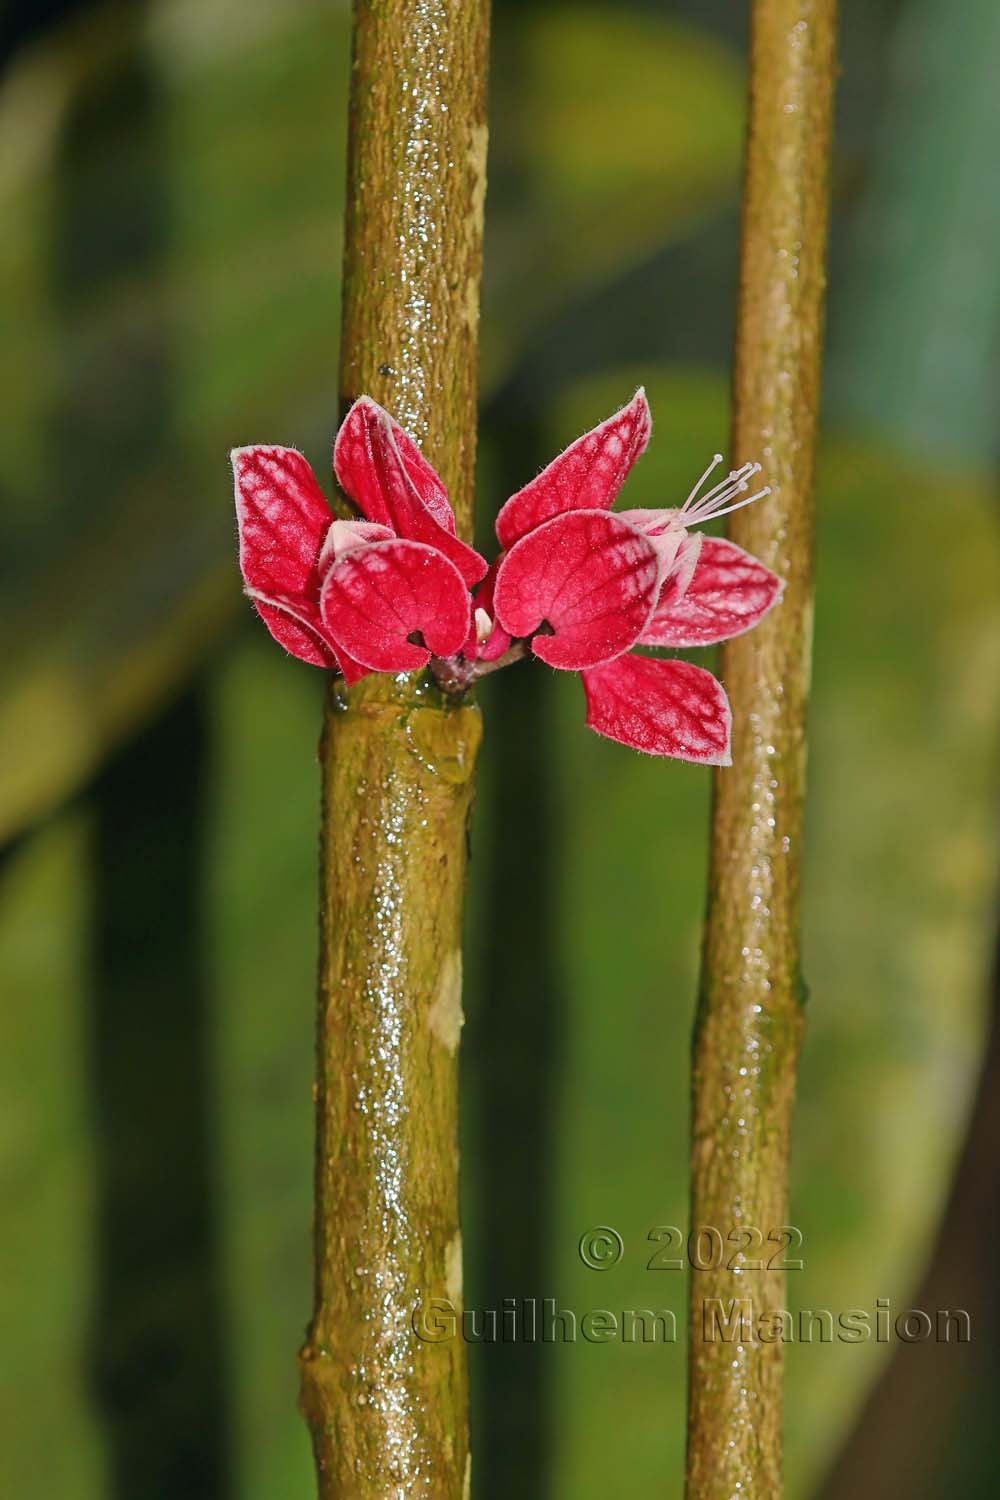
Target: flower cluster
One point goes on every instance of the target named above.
(576, 584)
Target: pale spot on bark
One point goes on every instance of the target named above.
(478, 138)
(808, 618)
(470, 303)
(453, 1269)
(467, 1483)
(445, 1015)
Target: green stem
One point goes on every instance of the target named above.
(387, 1410)
(750, 1017)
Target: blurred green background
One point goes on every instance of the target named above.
(171, 179)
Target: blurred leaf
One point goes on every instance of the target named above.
(46, 1171)
(107, 640)
(907, 647)
(900, 900)
(261, 908)
(613, 133)
(136, 363)
(917, 347)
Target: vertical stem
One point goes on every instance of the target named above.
(387, 1410)
(749, 1022)
(416, 185)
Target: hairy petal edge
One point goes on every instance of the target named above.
(376, 598)
(590, 576)
(371, 465)
(729, 592)
(660, 707)
(586, 476)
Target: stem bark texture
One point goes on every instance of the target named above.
(387, 1410)
(750, 1014)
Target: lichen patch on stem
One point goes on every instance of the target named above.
(445, 1015)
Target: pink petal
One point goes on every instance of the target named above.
(356, 475)
(660, 707)
(299, 636)
(679, 550)
(296, 637)
(586, 476)
(283, 519)
(376, 597)
(590, 576)
(662, 529)
(388, 478)
(353, 670)
(728, 593)
(344, 535)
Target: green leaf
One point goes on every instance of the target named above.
(900, 871)
(613, 133)
(148, 342)
(917, 352)
(48, 1169)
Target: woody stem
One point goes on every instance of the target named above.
(750, 1018)
(387, 1412)
(455, 675)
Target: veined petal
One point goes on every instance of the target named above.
(376, 597)
(358, 475)
(283, 519)
(303, 638)
(586, 476)
(292, 632)
(388, 478)
(591, 577)
(728, 593)
(660, 707)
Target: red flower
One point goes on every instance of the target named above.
(584, 586)
(382, 595)
(577, 585)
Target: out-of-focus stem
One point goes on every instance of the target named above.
(749, 1022)
(387, 1408)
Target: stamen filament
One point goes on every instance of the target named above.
(728, 509)
(716, 461)
(715, 502)
(736, 479)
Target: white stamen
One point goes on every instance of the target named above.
(716, 461)
(484, 626)
(727, 510)
(715, 502)
(734, 480)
